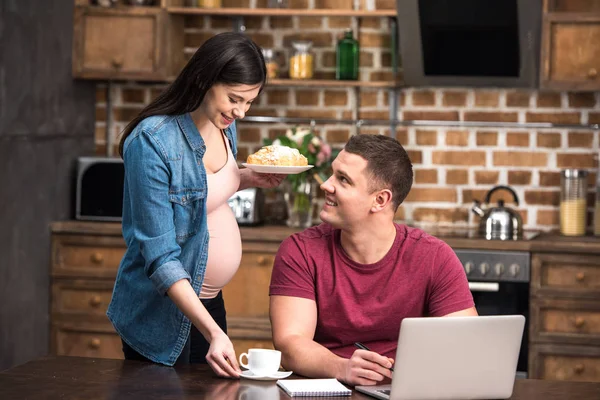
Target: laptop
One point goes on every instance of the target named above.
(447, 358)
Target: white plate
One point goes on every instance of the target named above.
(275, 169)
(272, 377)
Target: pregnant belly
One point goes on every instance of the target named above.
(224, 251)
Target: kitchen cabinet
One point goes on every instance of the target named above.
(85, 258)
(83, 265)
(571, 45)
(120, 43)
(564, 337)
(565, 316)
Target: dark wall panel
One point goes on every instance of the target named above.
(46, 122)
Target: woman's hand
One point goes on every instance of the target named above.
(249, 178)
(221, 357)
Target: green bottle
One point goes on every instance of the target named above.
(346, 58)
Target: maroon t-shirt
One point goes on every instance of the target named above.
(419, 276)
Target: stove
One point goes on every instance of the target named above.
(498, 279)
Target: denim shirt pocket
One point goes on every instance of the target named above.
(188, 205)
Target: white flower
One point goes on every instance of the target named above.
(315, 141)
(276, 142)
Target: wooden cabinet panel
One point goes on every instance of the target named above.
(565, 363)
(79, 298)
(126, 43)
(571, 53)
(86, 256)
(565, 321)
(566, 275)
(247, 295)
(87, 342)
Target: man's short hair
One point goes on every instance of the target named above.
(388, 164)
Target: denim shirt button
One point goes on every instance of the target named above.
(183, 199)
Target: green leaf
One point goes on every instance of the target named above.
(286, 141)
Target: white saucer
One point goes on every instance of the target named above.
(273, 377)
(274, 169)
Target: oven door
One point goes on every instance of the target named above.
(505, 298)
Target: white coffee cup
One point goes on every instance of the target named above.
(262, 362)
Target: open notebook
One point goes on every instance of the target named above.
(313, 387)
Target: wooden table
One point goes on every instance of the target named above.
(94, 378)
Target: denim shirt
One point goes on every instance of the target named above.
(165, 229)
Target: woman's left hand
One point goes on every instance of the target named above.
(267, 181)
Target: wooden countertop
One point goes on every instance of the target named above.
(93, 378)
(544, 242)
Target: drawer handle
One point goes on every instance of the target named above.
(579, 368)
(580, 276)
(95, 343)
(579, 322)
(97, 258)
(95, 301)
(262, 260)
(117, 62)
(592, 73)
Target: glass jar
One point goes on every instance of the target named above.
(301, 61)
(573, 202)
(270, 63)
(209, 3)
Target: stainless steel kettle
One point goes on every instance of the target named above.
(501, 222)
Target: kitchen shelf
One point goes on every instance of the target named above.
(279, 12)
(332, 83)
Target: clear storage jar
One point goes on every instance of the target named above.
(573, 202)
(270, 63)
(302, 60)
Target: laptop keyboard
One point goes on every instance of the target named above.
(384, 391)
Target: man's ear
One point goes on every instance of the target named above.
(381, 200)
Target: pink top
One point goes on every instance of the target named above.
(224, 243)
(419, 276)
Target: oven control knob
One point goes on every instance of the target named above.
(469, 267)
(499, 269)
(484, 268)
(514, 269)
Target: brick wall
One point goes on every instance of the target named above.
(453, 166)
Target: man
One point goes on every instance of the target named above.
(357, 275)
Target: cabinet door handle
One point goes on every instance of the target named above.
(262, 260)
(579, 322)
(94, 343)
(580, 276)
(579, 368)
(592, 73)
(97, 257)
(117, 62)
(95, 301)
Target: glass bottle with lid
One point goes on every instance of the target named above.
(302, 60)
(573, 202)
(270, 63)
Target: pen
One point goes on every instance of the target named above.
(363, 347)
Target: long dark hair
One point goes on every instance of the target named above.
(228, 58)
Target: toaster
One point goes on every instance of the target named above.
(247, 206)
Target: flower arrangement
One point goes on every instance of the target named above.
(302, 186)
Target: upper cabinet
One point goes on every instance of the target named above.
(126, 42)
(571, 45)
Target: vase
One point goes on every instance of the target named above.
(300, 199)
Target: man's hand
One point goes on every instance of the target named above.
(221, 357)
(367, 368)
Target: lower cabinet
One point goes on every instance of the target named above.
(565, 317)
(84, 261)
